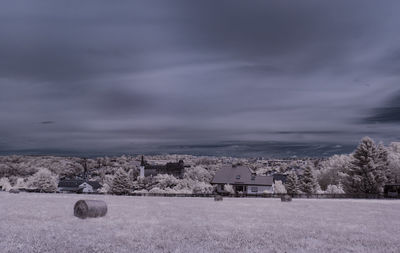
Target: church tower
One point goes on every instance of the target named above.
(142, 164)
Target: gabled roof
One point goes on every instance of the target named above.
(96, 185)
(240, 175)
(70, 183)
(75, 183)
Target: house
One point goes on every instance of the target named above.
(78, 186)
(392, 190)
(243, 180)
(150, 170)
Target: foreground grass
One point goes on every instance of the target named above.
(45, 223)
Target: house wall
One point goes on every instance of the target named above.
(67, 189)
(260, 189)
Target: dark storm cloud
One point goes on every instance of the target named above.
(111, 74)
(389, 112)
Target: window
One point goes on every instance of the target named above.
(237, 176)
(253, 177)
(254, 189)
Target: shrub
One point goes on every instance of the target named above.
(20, 184)
(334, 189)
(43, 180)
(5, 184)
(121, 184)
(279, 188)
(202, 187)
(229, 188)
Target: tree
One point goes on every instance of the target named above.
(334, 189)
(105, 189)
(279, 188)
(133, 174)
(229, 188)
(198, 173)
(43, 180)
(121, 184)
(330, 170)
(292, 184)
(308, 182)
(164, 181)
(202, 187)
(366, 173)
(20, 183)
(5, 184)
(394, 162)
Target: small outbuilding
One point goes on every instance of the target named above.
(392, 190)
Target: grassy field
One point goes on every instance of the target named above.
(32, 222)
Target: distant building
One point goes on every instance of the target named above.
(243, 180)
(392, 190)
(78, 186)
(150, 170)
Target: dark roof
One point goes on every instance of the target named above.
(176, 169)
(75, 183)
(240, 175)
(70, 182)
(279, 177)
(96, 185)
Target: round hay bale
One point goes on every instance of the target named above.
(13, 191)
(286, 198)
(218, 198)
(90, 208)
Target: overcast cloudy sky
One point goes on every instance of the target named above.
(109, 75)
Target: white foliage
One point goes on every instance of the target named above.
(331, 170)
(43, 180)
(121, 183)
(279, 188)
(334, 189)
(105, 189)
(165, 181)
(5, 184)
(202, 187)
(20, 184)
(156, 190)
(229, 188)
(394, 162)
(198, 173)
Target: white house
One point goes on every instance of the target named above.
(243, 180)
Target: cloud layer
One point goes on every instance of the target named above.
(107, 76)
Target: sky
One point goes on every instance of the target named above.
(111, 76)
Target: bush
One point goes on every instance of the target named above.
(203, 188)
(334, 189)
(20, 184)
(43, 180)
(229, 188)
(198, 173)
(5, 184)
(164, 181)
(279, 188)
(105, 189)
(121, 184)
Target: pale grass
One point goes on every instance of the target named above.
(32, 222)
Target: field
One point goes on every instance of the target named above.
(32, 222)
